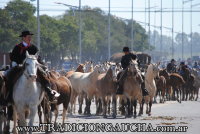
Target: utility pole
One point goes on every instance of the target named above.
(38, 24)
(182, 28)
(132, 28)
(109, 30)
(145, 15)
(161, 45)
(172, 29)
(80, 36)
(191, 30)
(149, 25)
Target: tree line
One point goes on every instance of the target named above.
(60, 34)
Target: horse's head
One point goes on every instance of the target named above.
(30, 66)
(98, 69)
(155, 69)
(80, 68)
(113, 70)
(164, 73)
(133, 67)
(88, 67)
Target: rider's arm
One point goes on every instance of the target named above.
(15, 54)
(123, 62)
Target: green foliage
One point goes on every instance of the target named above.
(60, 34)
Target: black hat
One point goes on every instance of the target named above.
(182, 63)
(172, 60)
(125, 49)
(24, 33)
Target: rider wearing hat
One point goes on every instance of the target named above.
(125, 62)
(171, 67)
(17, 56)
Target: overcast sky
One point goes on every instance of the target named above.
(122, 8)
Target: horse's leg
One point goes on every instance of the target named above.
(183, 93)
(40, 113)
(109, 101)
(96, 103)
(33, 111)
(180, 92)
(104, 106)
(141, 102)
(64, 114)
(80, 101)
(197, 94)
(89, 105)
(15, 121)
(22, 120)
(114, 106)
(135, 106)
(123, 106)
(56, 114)
(126, 107)
(150, 105)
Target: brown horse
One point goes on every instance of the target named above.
(161, 87)
(80, 68)
(63, 86)
(195, 91)
(189, 83)
(106, 86)
(132, 89)
(174, 81)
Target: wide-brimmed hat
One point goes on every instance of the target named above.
(126, 49)
(25, 33)
(172, 60)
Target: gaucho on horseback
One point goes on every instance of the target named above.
(125, 62)
(17, 57)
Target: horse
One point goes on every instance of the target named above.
(195, 91)
(80, 68)
(189, 83)
(174, 81)
(27, 93)
(132, 87)
(106, 86)
(150, 85)
(4, 128)
(161, 87)
(63, 86)
(85, 83)
(74, 94)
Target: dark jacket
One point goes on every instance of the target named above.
(125, 61)
(171, 68)
(19, 52)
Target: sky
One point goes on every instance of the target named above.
(122, 8)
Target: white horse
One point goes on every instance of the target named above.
(152, 72)
(27, 93)
(85, 83)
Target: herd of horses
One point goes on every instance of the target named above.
(93, 82)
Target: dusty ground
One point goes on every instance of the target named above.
(170, 113)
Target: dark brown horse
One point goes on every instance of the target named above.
(63, 86)
(174, 81)
(189, 83)
(161, 87)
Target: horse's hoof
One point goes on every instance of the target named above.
(105, 116)
(79, 111)
(114, 116)
(134, 116)
(149, 114)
